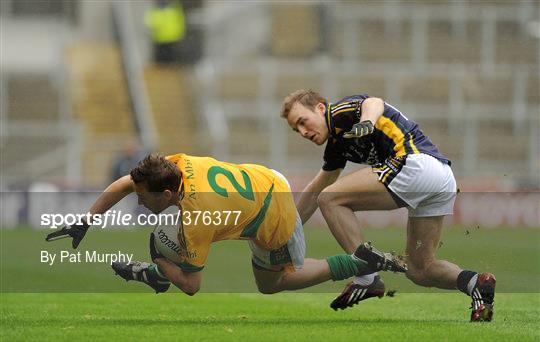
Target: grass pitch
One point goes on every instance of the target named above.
(294, 317)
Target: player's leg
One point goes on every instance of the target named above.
(358, 191)
(290, 271)
(312, 273)
(370, 284)
(423, 237)
(287, 269)
(429, 188)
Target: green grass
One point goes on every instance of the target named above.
(295, 317)
(86, 301)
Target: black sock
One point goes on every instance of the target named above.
(463, 280)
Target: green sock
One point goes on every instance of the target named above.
(156, 273)
(343, 266)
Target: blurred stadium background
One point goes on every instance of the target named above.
(79, 85)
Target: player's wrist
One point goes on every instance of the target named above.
(83, 224)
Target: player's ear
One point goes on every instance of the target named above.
(167, 194)
(320, 108)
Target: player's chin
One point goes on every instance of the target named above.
(318, 141)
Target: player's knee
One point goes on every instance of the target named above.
(325, 199)
(417, 274)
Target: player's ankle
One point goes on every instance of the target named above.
(466, 281)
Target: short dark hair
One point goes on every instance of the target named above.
(157, 173)
(307, 98)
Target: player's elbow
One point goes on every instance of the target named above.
(191, 289)
(268, 289)
(191, 292)
(188, 286)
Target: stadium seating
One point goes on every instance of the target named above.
(44, 95)
(101, 102)
(294, 30)
(444, 46)
(172, 104)
(465, 71)
(32, 130)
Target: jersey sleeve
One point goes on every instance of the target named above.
(359, 97)
(196, 240)
(332, 159)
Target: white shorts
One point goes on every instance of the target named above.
(280, 175)
(292, 254)
(424, 183)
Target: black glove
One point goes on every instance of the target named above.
(154, 254)
(76, 231)
(359, 130)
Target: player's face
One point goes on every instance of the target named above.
(309, 123)
(156, 202)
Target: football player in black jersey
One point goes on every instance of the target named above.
(407, 170)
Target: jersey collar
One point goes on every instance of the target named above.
(329, 120)
(181, 191)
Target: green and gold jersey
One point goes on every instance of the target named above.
(224, 201)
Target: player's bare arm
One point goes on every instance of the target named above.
(188, 282)
(307, 204)
(112, 195)
(108, 198)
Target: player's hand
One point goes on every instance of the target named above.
(154, 254)
(76, 231)
(359, 130)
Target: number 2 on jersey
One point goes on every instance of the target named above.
(246, 192)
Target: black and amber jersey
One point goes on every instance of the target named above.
(394, 136)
